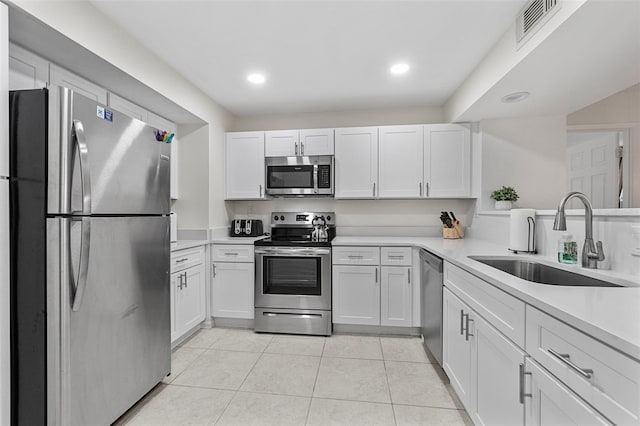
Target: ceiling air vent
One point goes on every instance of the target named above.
(532, 14)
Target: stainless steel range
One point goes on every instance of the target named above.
(293, 274)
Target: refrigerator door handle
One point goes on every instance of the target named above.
(83, 268)
(81, 141)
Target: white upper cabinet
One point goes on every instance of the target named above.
(290, 143)
(61, 77)
(26, 70)
(356, 162)
(129, 108)
(161, 124)
(244, 166)
(400, 162)
(447, 160)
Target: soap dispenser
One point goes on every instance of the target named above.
(567, 249)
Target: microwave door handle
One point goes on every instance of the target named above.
(315, 178)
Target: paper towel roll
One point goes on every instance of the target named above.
(522, 230)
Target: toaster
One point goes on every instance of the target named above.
(246, 228)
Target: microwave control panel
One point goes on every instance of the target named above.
(324, 176)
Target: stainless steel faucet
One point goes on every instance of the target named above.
(591, 253)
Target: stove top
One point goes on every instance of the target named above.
(294, 229)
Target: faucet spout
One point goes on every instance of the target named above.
(591, 253)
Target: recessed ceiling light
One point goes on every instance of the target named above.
(515, 97)
(256, 78)
(399, 68)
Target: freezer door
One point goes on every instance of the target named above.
(108, 162)
(111, 315)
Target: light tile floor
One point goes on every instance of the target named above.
(237, 377)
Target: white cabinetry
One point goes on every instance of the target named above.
(400, 162)
(187, 291)
(61, 77)
(129, 108)
(289, 143)
(356, 162)
(26, 70)
(163, 124)
(370, 289)
(244, 166)
(447, 160)
(232, 286)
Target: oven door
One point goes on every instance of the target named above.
(293, 277)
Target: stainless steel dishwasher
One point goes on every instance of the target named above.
(431, 302)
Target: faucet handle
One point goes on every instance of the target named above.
(599, 251)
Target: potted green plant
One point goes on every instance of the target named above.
(504, 197)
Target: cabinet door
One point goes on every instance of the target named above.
(552, 403)
(169, 126)
(356, 295)
(26, 70)
(456, 351)
(495, 379)
(244, 166)
(233, 290)
(395, 296)
(356, 162)
(316, 142)
(447, 160)
(281, 143)
(400, 162)
(190, 300)
(61, 77)
(128, 107)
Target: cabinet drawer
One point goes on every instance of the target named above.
(503, 311)
(356, 255)
(183, 259)
(232, 253)
(613, 384)
(395, 256)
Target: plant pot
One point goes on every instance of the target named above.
(504, 205)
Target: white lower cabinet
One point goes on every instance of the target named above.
(187, 291)
(396, 296)
(356, 295)
(482, 364)
(232, 281)
(552, 403)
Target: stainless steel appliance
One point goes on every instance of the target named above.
(431, 302)
(300, 176)
(293, 275)
(90, 317)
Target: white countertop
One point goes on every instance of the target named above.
(187, 244)
(236, 240)
(611, 315)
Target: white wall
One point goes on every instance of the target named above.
(527, 154)
(192, 207)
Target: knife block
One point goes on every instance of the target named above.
(453, 233)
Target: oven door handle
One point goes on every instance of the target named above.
(294, 251)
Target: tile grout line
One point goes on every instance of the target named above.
(324, 342)
(386, 376)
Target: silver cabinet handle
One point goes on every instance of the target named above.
(461, 322)
(587, 373)
(180, 282)
(231, 254)
(353, 256)
(521, 376)
(467, 334)
(184, 259)
(186, 279)
(260, 190)
(83, 269)
(408, 275)
(81, 142)
(374, 189)
(376, 274)
(213, 270)
(295, 149)
(427, 189)
(420, 184)
(301, 148)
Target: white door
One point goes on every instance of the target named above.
(356, 162)
(233, 290)
(281, 143)
(26, 70)
(400, 162)
(244, 166)
(61, 77)
(593, 167)
(356, 295)
(551, 403)
(395, 296)
(456, 351)
(195, 300)
(495, 377)
(127, 107)
(316, 142)
(447, 160)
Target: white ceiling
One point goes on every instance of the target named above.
(318, 55)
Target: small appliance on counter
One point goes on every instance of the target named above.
(246, 228)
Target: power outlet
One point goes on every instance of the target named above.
(251, 210)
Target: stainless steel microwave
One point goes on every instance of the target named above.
(300, 176)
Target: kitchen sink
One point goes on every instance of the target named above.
(540, 273)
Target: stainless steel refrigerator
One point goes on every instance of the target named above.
(89, 252)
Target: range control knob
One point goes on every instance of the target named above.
(275, 218)
(281, 217)
(328, 218)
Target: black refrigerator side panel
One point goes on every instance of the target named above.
(28, 124)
